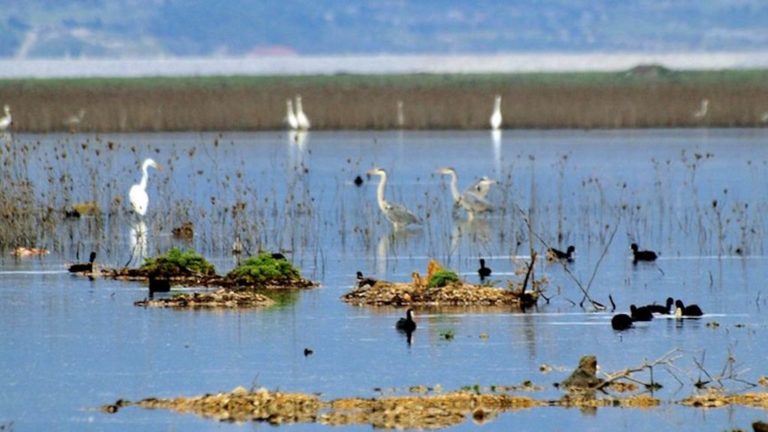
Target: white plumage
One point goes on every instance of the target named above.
(496, 116)
(138, 193)
(702, 111)
(6, 120)
(302, 121)
(290, 117)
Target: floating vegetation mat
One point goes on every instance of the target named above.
(431, 412)
(715, 399)
(457, 294)
(203, 280)
(403, 412)
(263, 272)
(222, 298)
(424, 291)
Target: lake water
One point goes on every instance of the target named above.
(70, 345)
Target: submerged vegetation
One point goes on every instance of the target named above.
(626, 99)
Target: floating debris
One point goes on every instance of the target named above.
(76, 210)
(423, 412)
(222, 298)
(715, 398)
(185, 232)
(244, 405)
(453, 293)
(29, 251)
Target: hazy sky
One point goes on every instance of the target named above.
(108, 28)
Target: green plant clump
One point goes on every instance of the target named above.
(265, 268)
(176, 261)
(442, 278)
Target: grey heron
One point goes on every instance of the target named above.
(482, 186)
(469, 200)
(395, 213)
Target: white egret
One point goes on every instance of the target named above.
(290, 117)
(496, 116)
(6, 120)
(469, 200)
(395, 213)
(400, 114)
(138, 193)
(302, 120)
(702, 111)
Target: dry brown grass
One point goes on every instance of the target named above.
(602, 101)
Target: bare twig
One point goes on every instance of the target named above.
(666, 360)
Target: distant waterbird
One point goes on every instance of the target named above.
(397, 214)
(138, 192)
(621, 322)
(558, 255)
(302, 121)
(468, 200)
(702, 111)
(642, 255)
(400, 114)
(496, 116)
(83, 267)
(364, 281)
(407, 324)
(661, 309)
(73, 122)
(482, 187)
(681, 310)
(764, 117)
(484, 272)
(158, 284)
(640, 313)
(6, 120)
(290, 117)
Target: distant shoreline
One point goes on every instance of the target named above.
(642, 97)
(376, 64)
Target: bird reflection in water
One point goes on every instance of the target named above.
(138, 242)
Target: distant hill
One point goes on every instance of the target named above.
(119, 28)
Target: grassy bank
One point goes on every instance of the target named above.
(643, 97)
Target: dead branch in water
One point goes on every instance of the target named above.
(667, 360)
(584, 289)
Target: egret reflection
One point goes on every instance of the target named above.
(138, 242)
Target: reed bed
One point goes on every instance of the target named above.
(641, 98)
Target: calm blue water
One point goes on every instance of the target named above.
(70, 345)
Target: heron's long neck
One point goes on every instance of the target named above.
(454, 188)
(144, 176)
(298, 106)
(497, 105)
(380, 191)
(289, 108)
